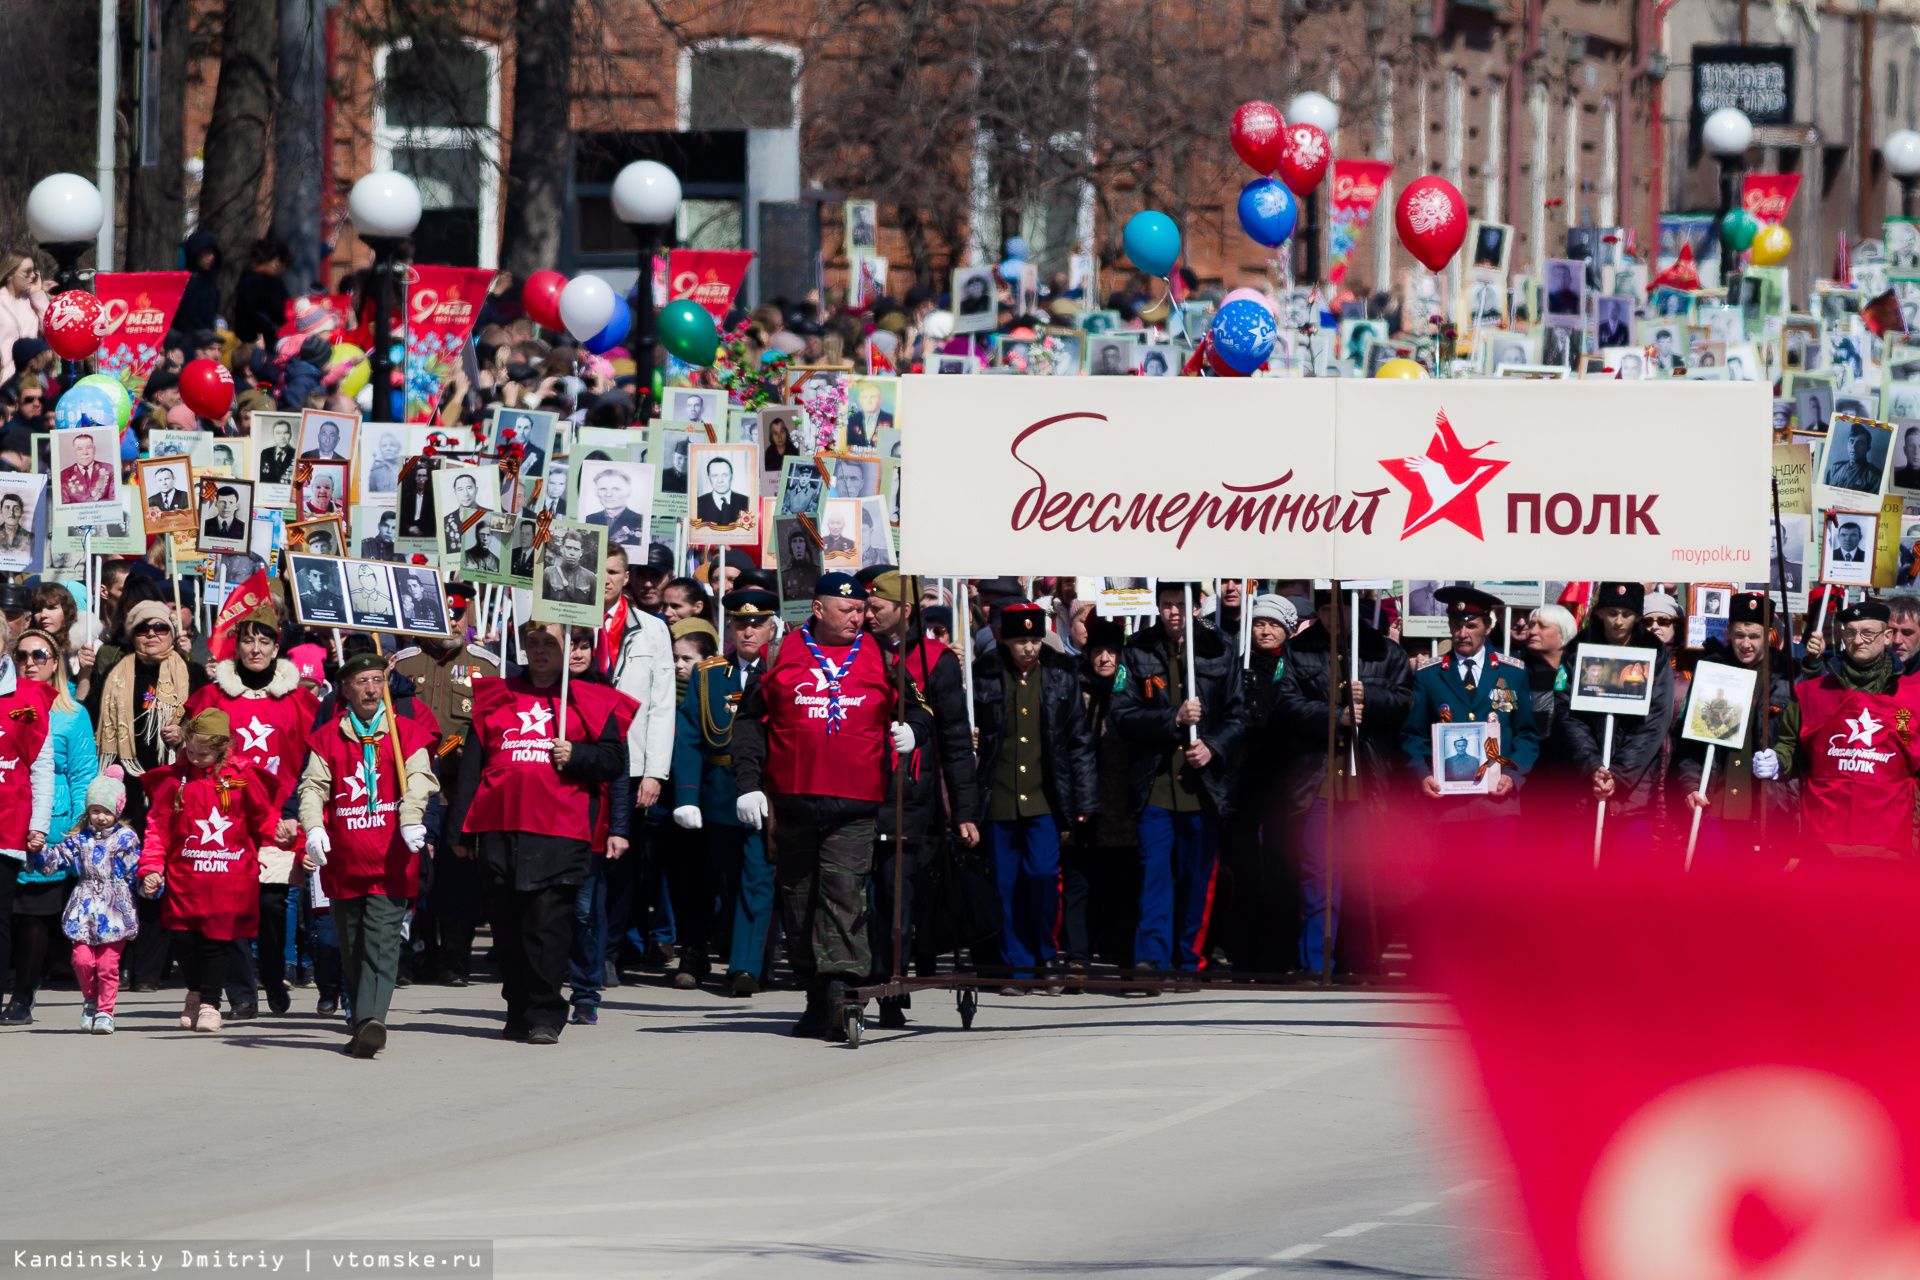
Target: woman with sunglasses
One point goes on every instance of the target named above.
(26, 815)
(23, 301)
(42, 896)
(270, 714)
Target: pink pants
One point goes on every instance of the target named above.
(98, 969)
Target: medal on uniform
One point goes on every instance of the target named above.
(1446, 714)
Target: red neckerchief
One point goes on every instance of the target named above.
(610, 636)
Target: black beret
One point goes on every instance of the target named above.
(842, 586)
(750, 602)
(1469, 599)
(1868, 610)
(1023, 621)
(937, 615)
(1621, 595)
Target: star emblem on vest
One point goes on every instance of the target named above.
(12, 762)
(1445, 481)
(534, 722)
(356, 788)
(253, 737)
(1863, 727)
(213, 828)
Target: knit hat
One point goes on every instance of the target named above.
(310, 661)
(1660, 605)
(1276, 609)
(108, 791)
(146, 611)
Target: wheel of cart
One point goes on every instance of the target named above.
(848, 1010)
(968, 1000)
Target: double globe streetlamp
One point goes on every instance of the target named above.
(64, 213)
(1314, 109)
(646, 196)
(1727, 134)
(386, 209)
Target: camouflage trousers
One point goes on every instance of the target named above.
(821, 875)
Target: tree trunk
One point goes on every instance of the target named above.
(157, 197)
(231, 200)
(299, 151)
(537, 167)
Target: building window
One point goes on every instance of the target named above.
(437, 119)
(739, 84)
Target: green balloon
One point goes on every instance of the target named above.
(122, 400)
(686, 330)
(1738, 229)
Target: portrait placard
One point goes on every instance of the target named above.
(568, 581)
(465, 494)
(418, 532)
(23, 531)
(1613, 679)
(840, 534)
(697, 404)
(615, 496)
(852, 477)
(778, 429)
(319, 590)
(876, 533)
(373, 533)
(166, 487)
(422, 598)
(323, 492)
(1462, 765)
(870, 410)
(1421, 616)
(196, 445)
(975, 296)
(226, 516)
(800, 567)
(272, 445)
(367, 595)
(326, 436)
(1847, 543)
(668, 443)
(125, 536)
(1160, 360)
(383, 448)
(533, 431)
(801, 488)
(726, 510)
(320, 537)
(371, 599)
(1720, 704)
(86, 463)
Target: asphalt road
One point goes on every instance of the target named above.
(1217, 1137)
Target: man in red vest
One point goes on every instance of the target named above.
(1850, 733)
(816, 732)
(363, 801)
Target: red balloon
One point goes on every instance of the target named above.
(1432, 221)
(71, 325)
(206, 388)
(541, 297)
(1220, 368)
(1305, 154)
(1258, 136)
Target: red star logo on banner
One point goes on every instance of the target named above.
(1445, 481)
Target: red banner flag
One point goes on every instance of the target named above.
(441, 305)
(136, 307)
(241, 601)
(1767, 195)
(1355, 189)
(711, 277)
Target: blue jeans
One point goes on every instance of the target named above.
(1178, 854)
(586, 962)
(1315, 878)
(1026, 869)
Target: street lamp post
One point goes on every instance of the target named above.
(1728, 133)
(1314, 109)
(64, 213)
(385, 208)
(646, 195)
(1902, 153)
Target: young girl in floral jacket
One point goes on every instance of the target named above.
(104, 853)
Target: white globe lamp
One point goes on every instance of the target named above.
(385, 205)
(1728, 132)
(1314, 109)
(645, 191)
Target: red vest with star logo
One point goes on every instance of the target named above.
(367, 854)
(803, 759)
(25, 717)
(204, 832)
(520, 790)
(1861, 760)
(269, 733)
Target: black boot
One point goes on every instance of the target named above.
(813, 1022)
(893, 1011)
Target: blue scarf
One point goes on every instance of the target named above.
(835, 712)
(369, 735)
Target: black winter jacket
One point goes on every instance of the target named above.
(1387, 678)
(1636, 739)
(1143, 713)
(1736, 767)
(1072, 780)
(948, 758)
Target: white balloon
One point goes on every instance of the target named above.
(586, 304)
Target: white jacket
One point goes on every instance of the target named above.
(643, 671)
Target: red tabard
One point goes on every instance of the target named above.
(803, 759)
(208, 846)
(928, 651)
(623, 709)
(1861, 762)
(519, 789)
(269, 734)
(367, 854)
(25, 717)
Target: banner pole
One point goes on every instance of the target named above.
(1193, 730)
(1693, 836)
(1333, 789)
(1246, 622)
(1600, 810)
(566, 665)
(1353, 673)
(963, 620)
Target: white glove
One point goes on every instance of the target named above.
(1766, 765)
(902, 737)
(318, 846)
(751, 809)
(688, 816)
(415, 836)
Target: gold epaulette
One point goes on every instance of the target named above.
(708, 663)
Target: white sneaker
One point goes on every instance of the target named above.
(86, 1016)
(103, 1024)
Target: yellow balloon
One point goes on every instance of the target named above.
(358, 376)
(1401, 368)
(1771, 246)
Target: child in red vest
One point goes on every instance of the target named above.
(207, 821)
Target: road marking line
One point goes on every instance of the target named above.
(1357, 1228)
(1293, 1251)
(1466, 1188)
(1239, 1273)
(1408, 1210)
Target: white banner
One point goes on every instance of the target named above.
(1336, 478)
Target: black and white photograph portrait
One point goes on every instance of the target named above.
(464, 495)
(1669, 343)
(1490, 243)
(1856, 457)
(1743, 363)
(376, 527)
(1508, 348)
(1629, 364)
(876, 538)
(423, 606)
(953, 364)
(486, 544)
(327, 436)
(273, 439)
(1560, 346)
(370, 596)
(568, 585)
(975, 299)
(800, 560)
(725, 507)
(1846, 558)
(615, 496)
(862, 225)
(1486, 300)
(1109, 357)
(521, 562)
(165, 482)
(1160, 361)
(673, 461)
(319, 590)
(1813, 406)
(1566, 292)
(855, 477)
(316, 537)
(227, 520)
(801, 488)
(1612, 320)
(554, 494)
(415, 501)
(1787, 544)
(697, 404)
(383, 447)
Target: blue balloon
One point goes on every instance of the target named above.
(1017, 249)
(1243, 334)
(85, 406)
(616, 331)
(1010, 270)
(1267, 212)
(1152, 242)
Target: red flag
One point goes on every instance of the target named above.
(241, 601)
(1767, 195)
(1355, 189)
(135, 309)
(710, 277)
(441, 305)
(1681, 275)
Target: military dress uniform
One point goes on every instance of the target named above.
(1491, 688)
(703, 776)
(443, 679)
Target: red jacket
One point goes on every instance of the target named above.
(204, 832)
(270, 725)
